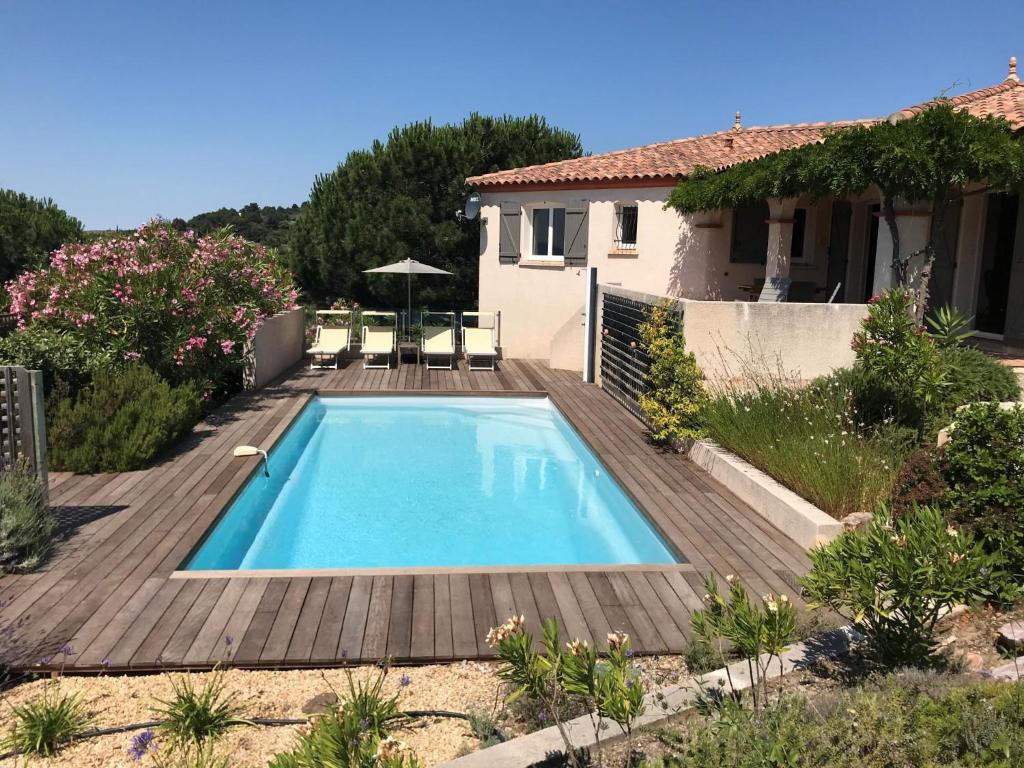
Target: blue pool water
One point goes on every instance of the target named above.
(368, 482)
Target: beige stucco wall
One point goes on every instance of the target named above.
(277, 346)
(745, 340)
(681, 256)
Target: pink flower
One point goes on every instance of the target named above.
(226, 346)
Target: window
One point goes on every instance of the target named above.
(796, 246)
(750, 234)
(548, 233)
(625, 227)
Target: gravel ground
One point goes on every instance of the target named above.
(118, 700)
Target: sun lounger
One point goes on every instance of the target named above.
(479, 342)
(439, 341)
(378, 339)
(329, 342)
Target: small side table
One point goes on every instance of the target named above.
(408, 348)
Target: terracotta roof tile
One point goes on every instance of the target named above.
(668, 161)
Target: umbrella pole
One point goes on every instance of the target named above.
(408, 317)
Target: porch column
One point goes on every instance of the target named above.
(914, 222)
(780, 236)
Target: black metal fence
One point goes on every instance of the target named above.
(624, 364)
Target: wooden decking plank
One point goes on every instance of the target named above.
(226, 647)
(483, 611)
(134, 635)
(399, 645)
(149, 651)
(354, 627)
(183, 637)
(463, 628)
(301, 647)
(210, 633)
(422, 639)
(646, 631)
(378, 618)
(668, 623)
(250, 646)
(569, 608)
(328, 634)
(285, 621)
(443, 637)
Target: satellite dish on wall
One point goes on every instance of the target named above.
(472, 206)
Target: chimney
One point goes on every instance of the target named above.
(1013, 70)
(736, 125)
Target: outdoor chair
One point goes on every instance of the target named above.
(329, 342)
(439, 340)
(378, 340)
(478, 342)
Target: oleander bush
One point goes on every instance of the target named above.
(26, 523)
(895, 579)
(901, 721)
(122, 421)
(356, 733)
(182, 305)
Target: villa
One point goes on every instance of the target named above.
(543, 225)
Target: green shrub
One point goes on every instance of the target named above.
(893, 724)
(194, 716)
(895, 580)
(44, 724)
(985, 457)
(975, 377)
(122, 421)
(26, 523)
(915, 379)
(809, 440)
(673, 403)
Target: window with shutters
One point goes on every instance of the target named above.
(548, 233)
(625, 226)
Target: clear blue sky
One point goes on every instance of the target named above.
(123, 110)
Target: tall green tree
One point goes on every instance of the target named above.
(399, 199)
(268, 224)
(929, 158)
(30, 229)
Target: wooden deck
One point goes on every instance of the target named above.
(110, 591)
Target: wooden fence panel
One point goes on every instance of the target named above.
(22, 425)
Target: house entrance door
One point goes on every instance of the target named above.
(996, 264)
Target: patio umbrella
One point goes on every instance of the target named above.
(409, 267)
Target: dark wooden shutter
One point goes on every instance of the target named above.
(576, 231)
(508, 240)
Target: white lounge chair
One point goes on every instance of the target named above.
(478, 342)
(329, 342)
(439, 340)
(378, 339)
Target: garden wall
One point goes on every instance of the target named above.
(735, 340)
(278, 346)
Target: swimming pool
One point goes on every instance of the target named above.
(394, 482)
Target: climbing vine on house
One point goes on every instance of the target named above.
(930, 157)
